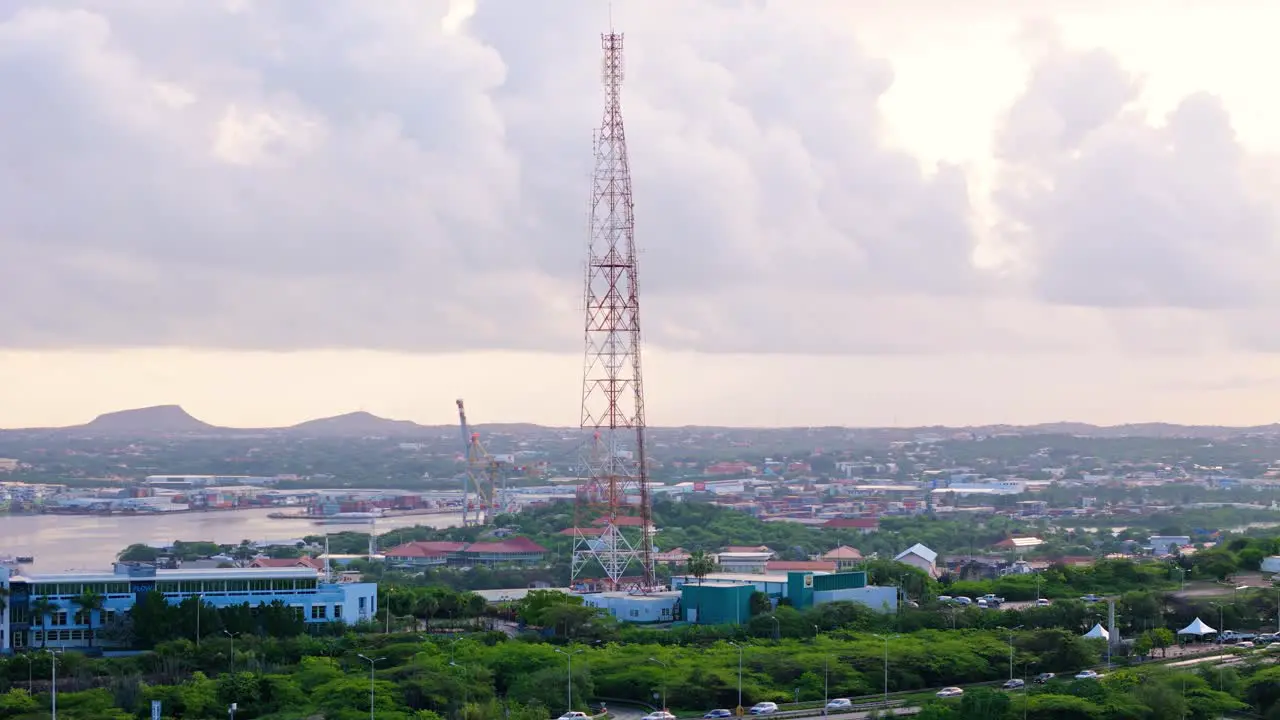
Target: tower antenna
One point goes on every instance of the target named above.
(613, 521)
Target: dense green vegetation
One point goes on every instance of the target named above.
(485, 675)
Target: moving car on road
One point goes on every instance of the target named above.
(659, 715)
(1087, 675)
(1043, 678)
(719, 713)
(764, 708)
(1013, 684)
(840, 704)
(950, 692)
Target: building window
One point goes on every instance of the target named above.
(319, 612)
(337, 612)
(635, 613)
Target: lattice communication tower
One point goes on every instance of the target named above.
(613, 523)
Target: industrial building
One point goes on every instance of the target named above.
(725, 598)
(301, 588)
(653, 607)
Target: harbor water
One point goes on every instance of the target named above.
(90, 542)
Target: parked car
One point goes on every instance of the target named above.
(944, 599)
(1091, 598)
(1266, 638)
(1013, 684)
(659, 715)
(950, 692)
(764, 708)
(1043, 678)
(963, 601)
(840, 704)
(1244, 644)
(719, 713)
(575, 715)
(1087, 675)
(1042, 602)
(1235, 636)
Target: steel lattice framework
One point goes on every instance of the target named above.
(613, 526)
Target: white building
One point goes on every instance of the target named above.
(921, 557)
(657, 607)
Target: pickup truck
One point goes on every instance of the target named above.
(990, 601)
(1230, 636)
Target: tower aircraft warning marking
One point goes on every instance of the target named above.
(613, 524)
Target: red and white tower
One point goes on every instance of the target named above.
(613, 527)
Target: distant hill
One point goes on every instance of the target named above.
(164, 420)
(156, 420)
(358, 424)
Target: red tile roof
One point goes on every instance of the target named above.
(621, 521)
(513, 546)
(859, 523)
(426, 549)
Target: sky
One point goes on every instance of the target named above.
(888, 212)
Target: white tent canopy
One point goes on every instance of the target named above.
(1098, 632)
(1197, 628)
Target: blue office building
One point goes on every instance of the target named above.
(301, 588)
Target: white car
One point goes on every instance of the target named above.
(764, 708)
(659, 715)
(1087, 675)
(575, 715)
(950, 692)
(840, 704)
(1042, 602)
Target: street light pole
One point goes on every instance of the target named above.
(1011, 651)
(886, 667)
(569, 655)
(53, 697)
(231, 635)
(664, 680)
(739, 675)
(373, 663)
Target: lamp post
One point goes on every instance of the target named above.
(664, 680)
(777, 627)
(53, 696)
(886, 666)
(826, 670)
(232, 635)
(1011, 650)
(739, 675)
(466, 691)
(373, 663)
(569, 655)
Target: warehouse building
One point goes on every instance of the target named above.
(725, 598)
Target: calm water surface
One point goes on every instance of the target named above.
(86, 542)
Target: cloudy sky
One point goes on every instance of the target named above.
(860, 213)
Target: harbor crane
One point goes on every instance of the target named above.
(484, 485)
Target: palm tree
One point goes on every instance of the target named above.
(42, 608)
(700, 565)
(89, 602)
